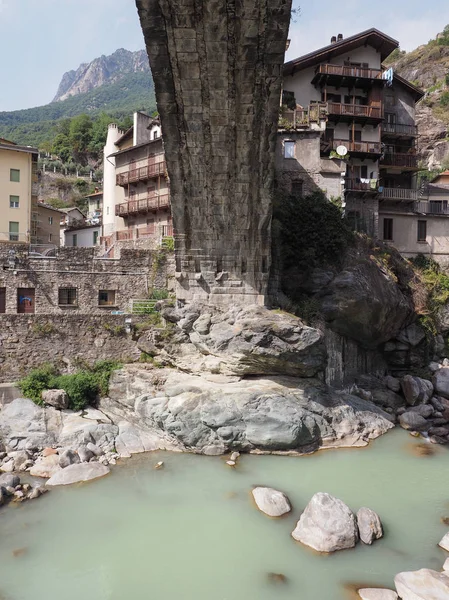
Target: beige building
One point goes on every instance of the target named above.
(136, 195)
(46, 227)
(18, 192)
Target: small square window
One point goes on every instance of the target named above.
(14, 175)
(106, 298)
(68, 297)
(14, 202)
(297, 188)
(289, 149)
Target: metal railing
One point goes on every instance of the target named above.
(359, 147)
(399, 194)
(141, 173)
(400, 129)
(432, 208)
(143, 205)
(361, 185)
(349, 71)
(400, 160)
(142, 307)
(356, 110)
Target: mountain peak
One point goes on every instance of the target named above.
(101, 71)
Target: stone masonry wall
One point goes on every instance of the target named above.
(217, 70)
(132, 276)
(28, 341)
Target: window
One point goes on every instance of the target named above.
(155, 134)
(14, 175)
(107, 210)
(297, 188)
(68, 297)
(2, 300)
(355, 136)
(95, 238)
(50, 220)
(289, 149)
(13, 231)
(97, 205)
(388, 230)
(50, 237)
(14, 202)
(422, 231)
(390, 100)
(75, 239)
(106, 298)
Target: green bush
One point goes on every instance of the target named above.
(82, 387)
(444, 100)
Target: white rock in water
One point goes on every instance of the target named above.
(446, 565)
(271, 502)
(159, 465)
(422, 585)
(377, 594)
(231, 463)
(234, 456)
(370, 526)
(327, 525)
(78, 472)
(445, 542)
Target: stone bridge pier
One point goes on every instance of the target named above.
(217, 69)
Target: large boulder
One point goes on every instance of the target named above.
(213, 414)
(24, 424)
(413, 421)
(412, 335)
(245, 341)
(441, 382)
(56, 398)
(369, 524)
(422, 585)
(271, 502)
(9, 480)
(416, 390)
(46, 466)
(444, 543)
(327, 525)
(365, 303)
(377, 594)
(77, 473)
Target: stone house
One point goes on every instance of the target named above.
(82, 235)
(46, 227)
(18, 192)
(136, 195)
(367, 123)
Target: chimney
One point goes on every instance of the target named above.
(333, 40)
(339, 37)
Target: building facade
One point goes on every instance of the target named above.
(45, 227)
(18, 192)
(136, 194)
(369, 132)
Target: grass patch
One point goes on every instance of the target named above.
(82, 388)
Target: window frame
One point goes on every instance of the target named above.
(421, 239)
(285, 149)
(71, 293)
(108, 303)
(11, 178)
(14, 236)
(74, 240)
(50, 220)
(12, 202)
(390, 231)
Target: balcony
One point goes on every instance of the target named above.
(367, 186)
(400, 194)
(404, 161)
(360, 112)
(343, 75)
(154, 231)
(304, 118)
(355, 148)
(399, 130)
(144, 205)
(432, 208)
(146, 173)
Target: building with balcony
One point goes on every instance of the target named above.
(136, 194)
(368, 132)
(95, 206)
(18, 192)
(45, 227)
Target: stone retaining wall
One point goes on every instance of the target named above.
(28, 341)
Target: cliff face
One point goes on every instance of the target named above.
(427, 67)
(101, 71)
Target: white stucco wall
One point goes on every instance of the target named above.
(85, 237)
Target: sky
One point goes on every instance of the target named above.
(42, 39)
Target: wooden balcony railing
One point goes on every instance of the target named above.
(359, 147)
(349, 71)
(400, 129)
(400, 160)
(157, 231)
(432, 208)
(361, 185)
(302, 118)
(398, 194)
(355, 110)
(141, 173)
(142, 205)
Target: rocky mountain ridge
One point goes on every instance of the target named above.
(428, 67)
(102, 71)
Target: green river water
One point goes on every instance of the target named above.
(191, 532)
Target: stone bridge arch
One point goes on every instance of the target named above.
(217, 69)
